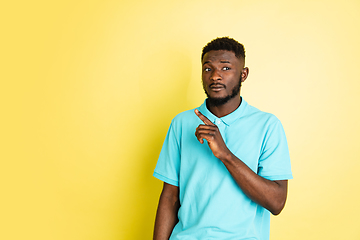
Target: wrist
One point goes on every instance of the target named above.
(227, 157)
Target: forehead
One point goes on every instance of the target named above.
(220, 55)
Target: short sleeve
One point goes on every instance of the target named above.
(274, 162)
(168, 165)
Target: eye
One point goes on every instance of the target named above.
(207, 69)
(225, 68)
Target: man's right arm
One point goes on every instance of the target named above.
(166, 216)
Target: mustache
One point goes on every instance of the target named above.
(217, 85)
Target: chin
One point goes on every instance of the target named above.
(219, 101)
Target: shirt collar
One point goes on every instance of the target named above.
(228, 119)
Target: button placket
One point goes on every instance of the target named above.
(221, 126)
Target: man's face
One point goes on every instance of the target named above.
(222, 74)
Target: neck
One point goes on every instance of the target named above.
(225, 109)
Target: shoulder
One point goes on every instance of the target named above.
(267, 123)
(184, 119)
(183, 123)
(184, 116)
(264, 117)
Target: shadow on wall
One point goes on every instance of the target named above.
(165, 77)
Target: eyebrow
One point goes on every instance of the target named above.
(221, 61)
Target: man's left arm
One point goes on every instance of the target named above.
(269, 194)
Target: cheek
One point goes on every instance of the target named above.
(234, 81)
(204, 76)
(204, 81)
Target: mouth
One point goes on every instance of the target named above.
(216, 87)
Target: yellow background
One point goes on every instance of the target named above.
(88, 89)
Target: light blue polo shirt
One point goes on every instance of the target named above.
(212, 205)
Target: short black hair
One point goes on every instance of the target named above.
(225, 43)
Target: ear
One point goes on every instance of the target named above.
(244, 74)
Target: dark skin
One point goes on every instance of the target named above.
(221, 73)
(166, 215)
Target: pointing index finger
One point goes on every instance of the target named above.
(203, 118)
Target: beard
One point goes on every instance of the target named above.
(221, 101)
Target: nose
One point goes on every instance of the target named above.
(215, 75)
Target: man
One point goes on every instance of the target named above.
(225, 165)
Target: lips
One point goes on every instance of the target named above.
(217, 87)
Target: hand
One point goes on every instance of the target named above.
(211, 133)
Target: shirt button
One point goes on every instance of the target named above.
(218, 121)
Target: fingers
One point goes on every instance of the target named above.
(206, 132)
(203, 118)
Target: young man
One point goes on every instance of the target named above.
(225, 165)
